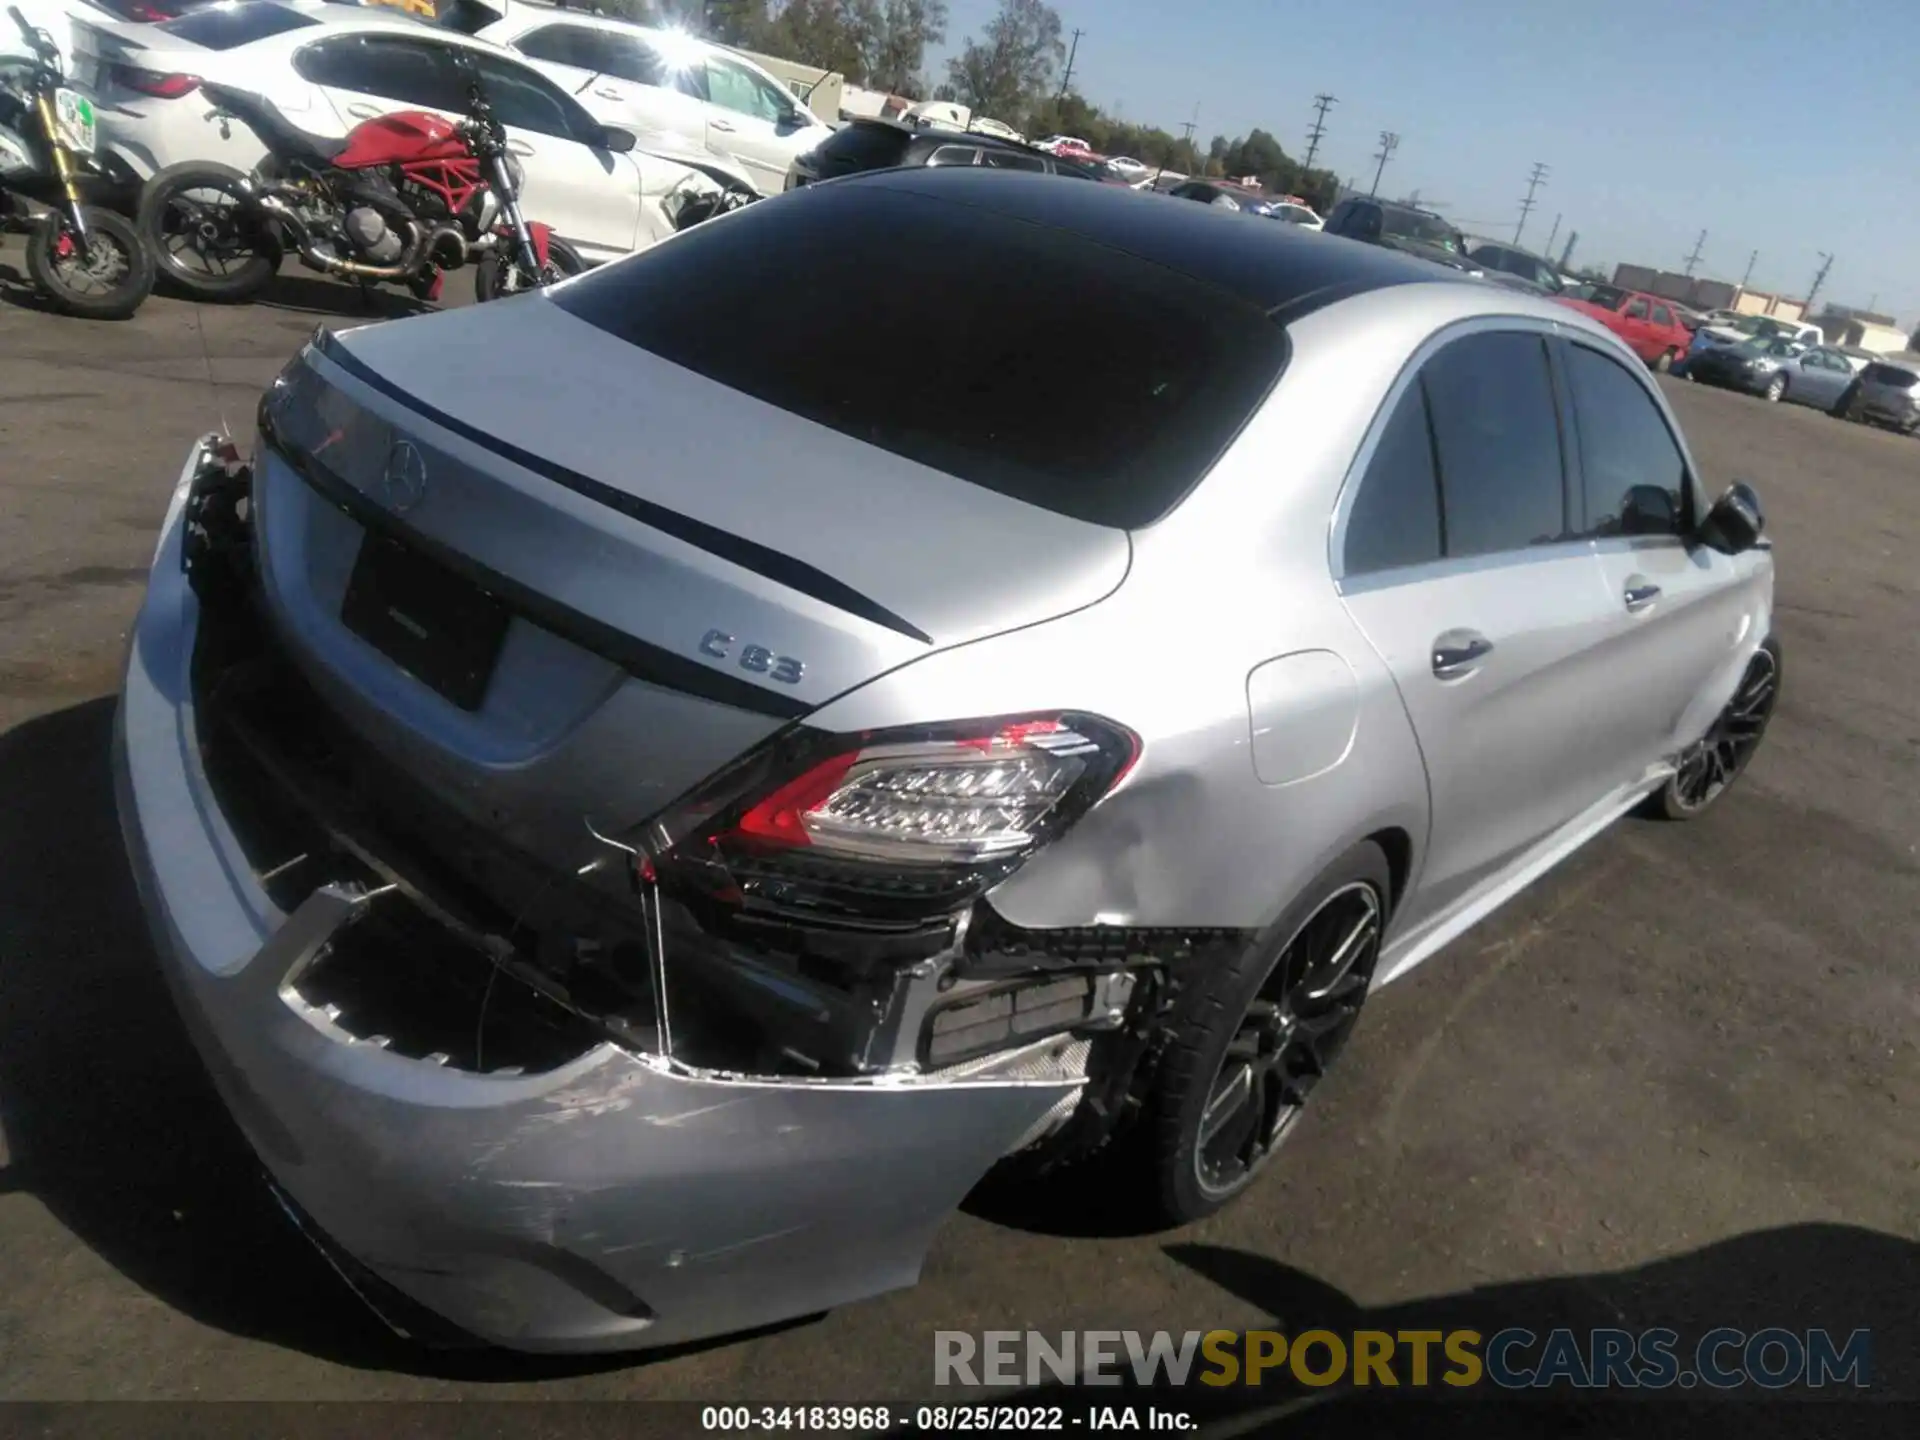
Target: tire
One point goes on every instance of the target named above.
(496, 276)
(112, 280)
(1708, 769)
(1776, 390)
(1664, 364)
(1287, 998)
(233, 260)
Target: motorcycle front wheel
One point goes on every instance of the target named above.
(205, 238)
(105, 277)
(499, 273)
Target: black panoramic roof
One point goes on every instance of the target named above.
(1282, 269)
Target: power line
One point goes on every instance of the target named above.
(1389, 142)
(1321, 104)
(1072, 54)
(1694, 258)
(1534, 182)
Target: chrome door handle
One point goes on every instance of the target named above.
(365, 112)
(1458, 652)
(1639, 597)
(520, 147)
(723, 126)
(607, 92)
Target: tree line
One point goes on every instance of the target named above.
(1011, 71)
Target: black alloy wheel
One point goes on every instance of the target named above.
(1257, 1033)
(1719, 757)
(1292, 1031)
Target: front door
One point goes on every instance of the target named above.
(1675, 612)
(753, 122)
(1460, 565)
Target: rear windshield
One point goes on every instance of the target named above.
(1021, 358)
(1890, 375)
(861, 147)
(228, 27)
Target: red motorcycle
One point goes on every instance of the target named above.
(403, 199)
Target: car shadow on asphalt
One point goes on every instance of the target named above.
(1837, 1278)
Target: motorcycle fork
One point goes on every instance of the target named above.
(510, 204)
(63, 168)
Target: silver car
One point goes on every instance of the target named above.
(642, 800)
(1888, 394)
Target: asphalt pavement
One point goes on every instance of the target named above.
(1675, 1083)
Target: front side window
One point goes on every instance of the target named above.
(1497, 435)
(1012, 160)
(1662, 315)
(734, 87)
(1636, 310)
(1625, 449)
(573, 45)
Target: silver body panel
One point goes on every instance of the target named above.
(1285, 711)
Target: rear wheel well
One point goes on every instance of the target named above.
(1397, 846)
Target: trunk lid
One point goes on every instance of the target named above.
(684, 569)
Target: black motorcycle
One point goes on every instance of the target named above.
(85, 260)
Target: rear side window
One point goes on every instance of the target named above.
(1014, 160)
(222, 28)
(1624, 445)
(1497, 434)
(1021, 358)
(862, 147)
(1878, 374)
(1662, 315)
(393, 68)
(1395, 518)
(954, 155)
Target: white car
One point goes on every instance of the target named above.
(1302, 215)
(1128, 166)
(328, 77)
(667, 87)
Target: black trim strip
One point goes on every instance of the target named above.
(747, 554)
(640, 659)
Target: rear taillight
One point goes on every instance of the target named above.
(894, 821)
(159, 84)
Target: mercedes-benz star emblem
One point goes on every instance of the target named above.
(404, 482)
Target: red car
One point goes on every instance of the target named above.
(1647, 323)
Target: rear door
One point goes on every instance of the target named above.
(1458, 561)
(1674, 612)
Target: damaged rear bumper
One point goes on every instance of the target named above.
(619, 1199)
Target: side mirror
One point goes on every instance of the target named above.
(1734, 523)
(1649, 510)
(613, 138)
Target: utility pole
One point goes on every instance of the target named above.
(1694, 258)
(1752, 260)
(1072, 54)
(1534, 182)
(1826, 264)
(1389, 142)
(1553, 234)
(1321, 104)
(1573, 238)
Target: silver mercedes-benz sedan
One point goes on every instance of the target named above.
(647, 791)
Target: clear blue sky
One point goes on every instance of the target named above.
(1787, 128)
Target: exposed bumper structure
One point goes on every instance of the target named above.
(618, 1200)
